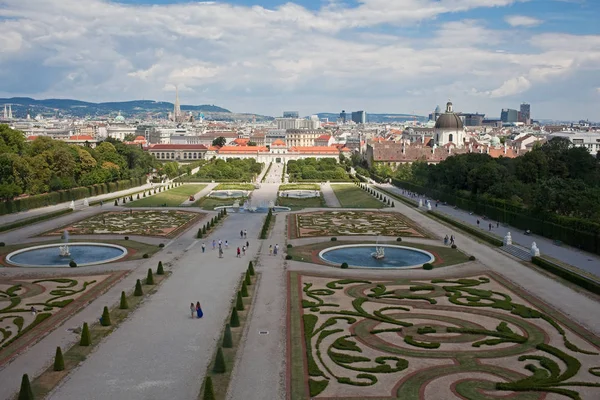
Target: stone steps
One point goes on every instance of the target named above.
(517, 251)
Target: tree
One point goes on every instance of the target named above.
(25, 393)
(123, 305)
(244, 289)
(160, 270)
(138, 289)
(219, 367)
(105, 320)
(239, 303)
(234, 321)
(86, 339)
(208, 389)
(59, 362)
(149, 277)
(219, 142)
(227, 338)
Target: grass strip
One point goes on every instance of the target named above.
(352, 196)
(32, 220)
(170, 198)
(403, 199)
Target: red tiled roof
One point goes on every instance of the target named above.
(179, 147)
(32, 137)
(243, 149)
(324, 137)
(81, 137)
(278, 142)
(315, 149)
(139, 138)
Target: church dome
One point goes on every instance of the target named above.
(449, 120)
(495, 141)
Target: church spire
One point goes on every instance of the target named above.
(177, 108)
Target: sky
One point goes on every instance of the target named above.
(270, 56)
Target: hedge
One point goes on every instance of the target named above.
(33, 220)
(61, 196)
(570, 276)
(467, 228)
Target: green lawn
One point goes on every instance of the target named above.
(300, 186)
(351, 196)
(234, 186)
(170, 198)
(209, 203)
(298, 204)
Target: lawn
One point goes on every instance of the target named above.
(235, 186)
(298, 204)
(351, 196)
(209, 203)
(300, 186)
(170, 198)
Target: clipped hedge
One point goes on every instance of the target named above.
(568, 275)
(467, 228)
(33, 220)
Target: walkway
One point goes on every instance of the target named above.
(567, 254)
(329, 196)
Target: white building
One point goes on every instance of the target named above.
(298, 123)
(449, 128)
(589, 140)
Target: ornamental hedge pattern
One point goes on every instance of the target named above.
(477, 337)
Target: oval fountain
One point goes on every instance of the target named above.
(363, 256)
(61, 254)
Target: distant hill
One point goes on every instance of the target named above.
(377, 118)
(23, 105)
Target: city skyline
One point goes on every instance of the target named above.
(267, 56)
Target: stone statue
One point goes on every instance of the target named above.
(72, 205)
(420, 203)
(535, 252)
(86, 203)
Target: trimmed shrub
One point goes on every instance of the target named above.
(138, 289)
(251, 268)
(72, 264)
(398, 239)
(161, 245)
(149, 277)
(123, 305)
(244, 290)
(116, 202)
(393, 205)
(131, 197)
(126, 237)
(105, 320)
(453, 246)
(427, 266)
(59, 361)
(204, 229)
(471, 258)
(86, 338)
(572, 277)
(2, 244)
(209, 393)
(239, 303)
(144, 194)
(234, 321)
(334, 239)
(199, 234)
(138, 196)
(288, 257)
(219, 366)
(145, 255)
(227, 339)
(160, 270)
(247, 278)
(289, 246)
(344, 265)
(25, 393)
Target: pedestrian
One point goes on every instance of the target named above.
(220, 252)
(497, 224)
(247, 244)
(199, 310)
(33, 311)
(241, 234)
(275, 249)
(238, 252)
(245, 233)
(101, 203)
(451, 239)
(192, 309)
(244, 250)
(214, 244)
(490, 227)
(446, 240)
(270, 249)
(226, 244)
(203, 247)
(477, 222)
(220, 242)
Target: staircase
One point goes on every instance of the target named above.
(517, 251)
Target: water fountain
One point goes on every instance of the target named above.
(377, 256)
(64, 249)
(86, 202)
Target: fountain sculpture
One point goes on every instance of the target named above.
(64, 249)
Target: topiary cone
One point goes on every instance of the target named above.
(234, 322)
(160, 270)
(248, 280)
(105, 321)
(219, 366)
(239, 303)
(251, 268)
(227, 339)
(59, 362)
(209, 393)
(25, 393)
(204, 229)
(123, 305)
(244, 289)
(138, 289)
(86, 338)
(150, 277)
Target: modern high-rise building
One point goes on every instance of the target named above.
(525, 113)
(470, 119)
(291, 114)
(359, 117)
(343, 116)
(508, 115)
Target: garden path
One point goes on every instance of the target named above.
(199, 195)
(567, 254)
(329, 196)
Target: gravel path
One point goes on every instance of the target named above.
(329, 196)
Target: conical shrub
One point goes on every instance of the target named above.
(138, 289)
(227, 339)
(251, 268)
(219, 366)
(150, 277)
(86, 338)
(204, 229)
(138, 196)
(105, 321)
(248, 280)
(123, 305)
(234, 322)
(199, 234)
(25, 393)
(160, 270)
(239, 303)
(209, 393)
(59, 361)
(244, 289)
(116, 202)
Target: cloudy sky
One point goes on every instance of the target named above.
(266, 56)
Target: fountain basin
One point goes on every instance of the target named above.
(300, 194)
(359, 256)
(83, 253)
(228, 194)
(232, 209)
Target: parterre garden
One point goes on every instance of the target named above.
(166, 223)
(476, 337)
(349, 223)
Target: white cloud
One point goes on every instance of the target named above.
(522, 20)
(511, 87)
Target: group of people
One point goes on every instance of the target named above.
(490, 224)
(273, 250)
(240, 250)
(196, 309)
(449, 240)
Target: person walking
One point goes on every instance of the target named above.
(490, 227)
(241, 234)
(238, 252)
(199, 310)
(203, 247)
(451, 239)
(220, 252)
(270, 249)
(245, 233)
(214, 244)
(275, 249)
(247, 244)
(244, 250)
(226, 244)
(446, 240)
(192, 309)
(477, 222)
